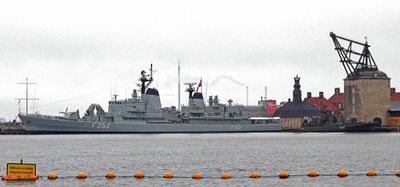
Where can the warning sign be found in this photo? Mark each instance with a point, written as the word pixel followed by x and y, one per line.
pixel 21 170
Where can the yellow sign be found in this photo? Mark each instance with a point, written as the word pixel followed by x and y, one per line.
pixel 21 170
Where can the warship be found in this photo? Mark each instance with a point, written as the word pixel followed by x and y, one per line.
pixel 144 114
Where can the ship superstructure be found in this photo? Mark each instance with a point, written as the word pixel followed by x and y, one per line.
pixel 215 112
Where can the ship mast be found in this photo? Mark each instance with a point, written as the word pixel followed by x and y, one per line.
pixel 179 85
pixel 145 79
pixel 247 95
pixel 26 95
pixel 115 91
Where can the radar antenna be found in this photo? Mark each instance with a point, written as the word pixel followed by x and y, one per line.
pixel 146 78
pixel 190 88
pixel 65 113
pixel 352 67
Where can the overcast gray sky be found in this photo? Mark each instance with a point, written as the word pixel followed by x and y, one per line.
pixel 74 50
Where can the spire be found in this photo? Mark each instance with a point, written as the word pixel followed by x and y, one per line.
pixel 296 91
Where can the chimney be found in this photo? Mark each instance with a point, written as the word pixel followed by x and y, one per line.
pixel 321 94
pixel 392 91
pixel 309 95
pixel 337 91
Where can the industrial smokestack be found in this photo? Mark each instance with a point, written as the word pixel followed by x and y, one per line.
pixel 266 91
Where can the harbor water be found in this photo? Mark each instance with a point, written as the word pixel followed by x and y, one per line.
pixel 210 154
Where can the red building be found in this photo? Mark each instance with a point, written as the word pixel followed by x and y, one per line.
pixel 394 111
pixel 337 99
pixel 334 103
pixel 394 96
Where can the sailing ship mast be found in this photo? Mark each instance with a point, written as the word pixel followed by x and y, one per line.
pixel 26 95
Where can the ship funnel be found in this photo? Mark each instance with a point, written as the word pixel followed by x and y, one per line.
pixel 216 100
pixel 134 94
pixel 210 101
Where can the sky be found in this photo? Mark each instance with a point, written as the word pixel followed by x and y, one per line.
pixel 80 52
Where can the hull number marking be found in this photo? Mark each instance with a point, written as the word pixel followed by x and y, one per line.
pixel 100 125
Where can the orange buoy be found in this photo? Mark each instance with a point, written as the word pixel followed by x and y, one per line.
pixel 283 174
pixel 139 175
pixel 52 176
pixel 255 174
pixel 81 175
pixel 371 172
pixel 398 173
pixel 197 176
pixel 32 177
pixel 312 173
pixel 226 176
pixel 168 175
pixel 110 175
pixel 342 173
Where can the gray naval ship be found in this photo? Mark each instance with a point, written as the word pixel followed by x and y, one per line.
pixel 144 114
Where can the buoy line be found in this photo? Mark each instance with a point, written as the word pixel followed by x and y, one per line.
pixel 223 175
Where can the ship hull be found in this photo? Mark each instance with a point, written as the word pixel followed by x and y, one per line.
pixel 348 127
pixel 40 125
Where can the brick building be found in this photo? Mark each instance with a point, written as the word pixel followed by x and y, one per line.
pixel 322 103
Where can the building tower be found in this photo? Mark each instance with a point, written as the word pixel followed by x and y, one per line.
pixel 292 113
pixel 366 89
pixel 296 91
